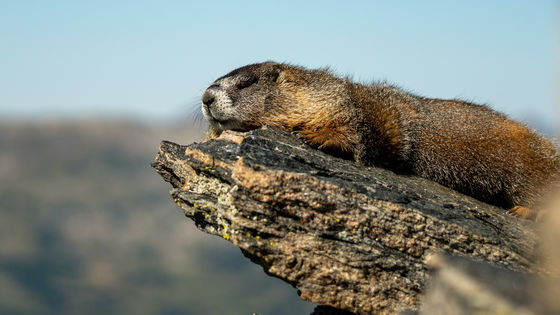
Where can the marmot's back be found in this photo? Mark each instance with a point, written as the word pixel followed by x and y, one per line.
pixel 484 154
pixel 467 147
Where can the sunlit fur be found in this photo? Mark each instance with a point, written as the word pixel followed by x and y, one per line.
pixel 465 146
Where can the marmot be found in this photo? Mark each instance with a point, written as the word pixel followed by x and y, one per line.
pixel 467 147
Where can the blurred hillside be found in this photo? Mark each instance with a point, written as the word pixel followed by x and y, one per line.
pixel 87 227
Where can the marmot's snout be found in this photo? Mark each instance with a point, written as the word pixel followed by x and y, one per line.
pixel 208 98
pixel 216 105
pixel 213 103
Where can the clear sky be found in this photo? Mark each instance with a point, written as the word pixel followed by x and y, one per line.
pixel 152 59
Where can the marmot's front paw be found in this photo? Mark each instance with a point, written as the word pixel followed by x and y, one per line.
pixel 524 212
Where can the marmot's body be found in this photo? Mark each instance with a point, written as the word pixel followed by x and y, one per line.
pixel 467 147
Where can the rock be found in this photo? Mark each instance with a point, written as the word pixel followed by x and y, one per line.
pixel 349 237
pixel 462 287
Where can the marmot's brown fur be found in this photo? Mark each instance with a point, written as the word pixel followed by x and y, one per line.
pixel 461 145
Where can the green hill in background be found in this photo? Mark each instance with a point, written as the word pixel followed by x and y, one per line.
pixel 87 227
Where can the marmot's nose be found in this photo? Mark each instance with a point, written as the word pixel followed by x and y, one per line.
pixel 208 97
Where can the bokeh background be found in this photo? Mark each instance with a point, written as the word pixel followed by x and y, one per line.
pixel 88 89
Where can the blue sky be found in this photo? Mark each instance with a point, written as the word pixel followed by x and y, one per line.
pixel 152 59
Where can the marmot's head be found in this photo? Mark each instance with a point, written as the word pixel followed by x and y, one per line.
pixel 269 93
pixel 239 99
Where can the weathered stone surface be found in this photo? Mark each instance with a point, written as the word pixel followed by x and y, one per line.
pixel 346 236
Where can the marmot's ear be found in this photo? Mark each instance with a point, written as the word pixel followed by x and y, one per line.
pixel 280 77
pixel 281 73
pixel 284 76
pixel 275 73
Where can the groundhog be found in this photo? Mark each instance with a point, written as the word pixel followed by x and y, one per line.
pixel 467 147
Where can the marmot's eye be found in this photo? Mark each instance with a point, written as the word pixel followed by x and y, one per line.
pixel 247 82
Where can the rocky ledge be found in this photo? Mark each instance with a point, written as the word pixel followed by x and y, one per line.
pixel 350 238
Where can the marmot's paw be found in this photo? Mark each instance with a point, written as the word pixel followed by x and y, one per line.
pixel 524 212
